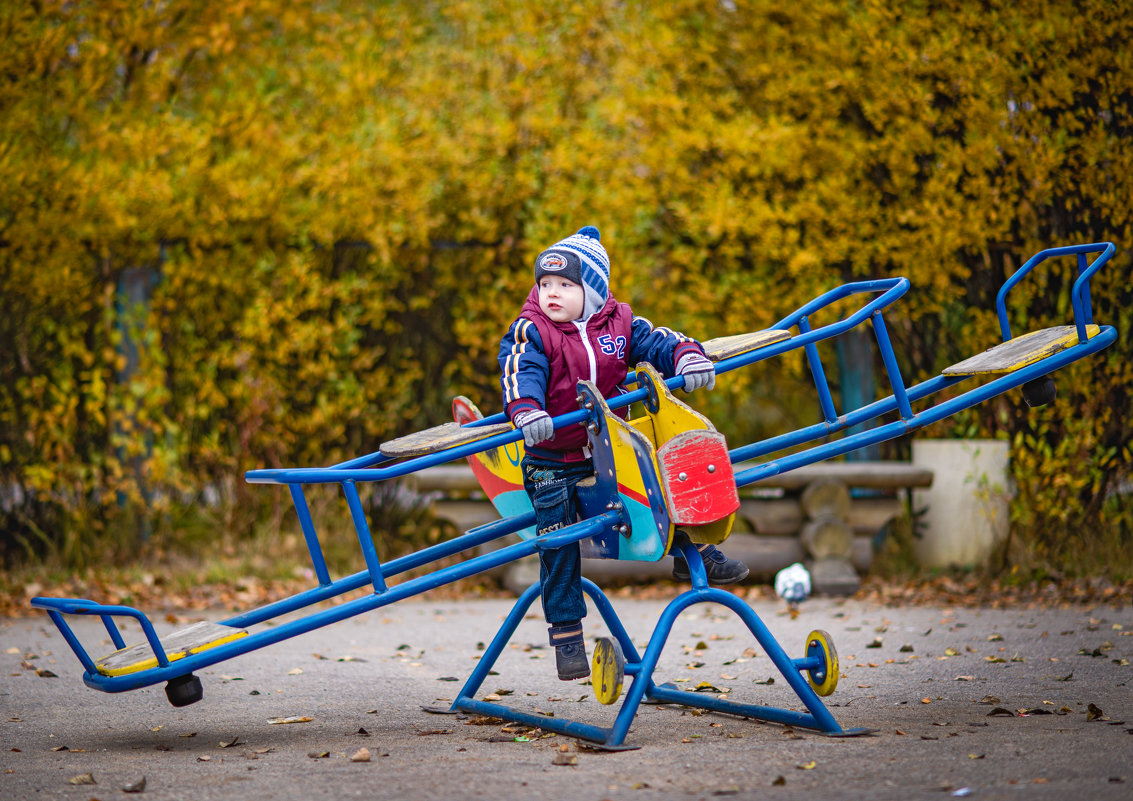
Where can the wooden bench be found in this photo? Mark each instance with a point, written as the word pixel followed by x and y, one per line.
pixel 772 514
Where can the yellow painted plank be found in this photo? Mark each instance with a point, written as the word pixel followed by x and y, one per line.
pixel 190 640
pixel 725 347
pixel 1020 351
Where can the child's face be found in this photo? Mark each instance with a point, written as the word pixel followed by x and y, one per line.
pixel 560 299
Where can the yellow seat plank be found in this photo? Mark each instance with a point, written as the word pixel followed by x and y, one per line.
pixel 189 640
pixel 437 438
pixel 1018 352
pixel 725 347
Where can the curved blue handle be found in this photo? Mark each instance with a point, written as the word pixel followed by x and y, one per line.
pixel 891 289
pixel 1079 293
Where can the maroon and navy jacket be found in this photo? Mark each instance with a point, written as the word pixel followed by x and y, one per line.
pixel 541 362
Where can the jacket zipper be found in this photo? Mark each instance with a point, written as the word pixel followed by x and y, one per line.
pixel 581 326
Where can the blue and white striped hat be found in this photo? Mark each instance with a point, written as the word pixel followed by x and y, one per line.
pixel 582 259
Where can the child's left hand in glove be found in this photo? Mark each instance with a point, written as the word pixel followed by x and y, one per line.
pixel 697 370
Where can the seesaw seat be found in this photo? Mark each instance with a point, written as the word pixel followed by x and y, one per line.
pixel 189 640
pixel 1020 351
pixel 692 462
pixel 671 468
pixel 725 347
pixel 437 438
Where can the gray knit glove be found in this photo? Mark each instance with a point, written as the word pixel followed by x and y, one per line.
pixel 697 370
pixel 536 425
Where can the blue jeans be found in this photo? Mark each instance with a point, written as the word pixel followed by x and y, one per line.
pixel 551 487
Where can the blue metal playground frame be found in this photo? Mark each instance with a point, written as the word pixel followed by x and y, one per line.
pixel 377 467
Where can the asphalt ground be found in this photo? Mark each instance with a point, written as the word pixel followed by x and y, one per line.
pixel 979 703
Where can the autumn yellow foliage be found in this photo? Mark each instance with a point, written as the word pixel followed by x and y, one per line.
pixel 264 233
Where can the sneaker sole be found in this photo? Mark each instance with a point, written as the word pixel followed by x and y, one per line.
pixel 736 580
pixel 574 676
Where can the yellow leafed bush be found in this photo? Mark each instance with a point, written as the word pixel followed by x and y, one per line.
pixel 263 233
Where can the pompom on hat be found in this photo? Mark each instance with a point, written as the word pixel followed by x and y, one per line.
pixel 582 259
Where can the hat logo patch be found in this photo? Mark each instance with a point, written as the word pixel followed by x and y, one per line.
pixel 553 262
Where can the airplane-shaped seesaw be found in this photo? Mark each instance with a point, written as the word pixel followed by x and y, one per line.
pixel 662 471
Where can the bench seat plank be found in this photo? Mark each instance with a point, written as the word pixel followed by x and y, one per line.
pixel 1020 351
pixel 189 640
pixel 438 438
pixel 724 347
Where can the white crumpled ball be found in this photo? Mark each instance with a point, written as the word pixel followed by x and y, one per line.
pixel 792 584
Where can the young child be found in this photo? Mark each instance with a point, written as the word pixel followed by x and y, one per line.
pixel 571 328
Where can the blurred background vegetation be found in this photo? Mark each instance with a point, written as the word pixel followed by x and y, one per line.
pixel 263 233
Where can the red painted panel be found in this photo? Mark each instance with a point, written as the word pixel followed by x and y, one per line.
pixel 707 492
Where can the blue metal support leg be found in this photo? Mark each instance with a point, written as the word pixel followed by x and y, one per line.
pixel 640 669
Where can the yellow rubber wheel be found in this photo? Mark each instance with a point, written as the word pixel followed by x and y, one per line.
pixel 824 678
pixel 609 670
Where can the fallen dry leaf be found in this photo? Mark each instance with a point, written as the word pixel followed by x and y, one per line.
pixel 361 755
pixel 807 765
pixel 561 758
pixel 292 719
pixel 82 778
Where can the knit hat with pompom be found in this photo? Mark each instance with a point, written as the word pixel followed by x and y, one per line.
pixel 582 259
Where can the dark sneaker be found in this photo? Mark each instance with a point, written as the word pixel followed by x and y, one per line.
pixel 720 569
pixel 571 661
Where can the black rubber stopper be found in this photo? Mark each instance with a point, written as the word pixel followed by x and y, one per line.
pixel 184 690
pixel 1039 391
